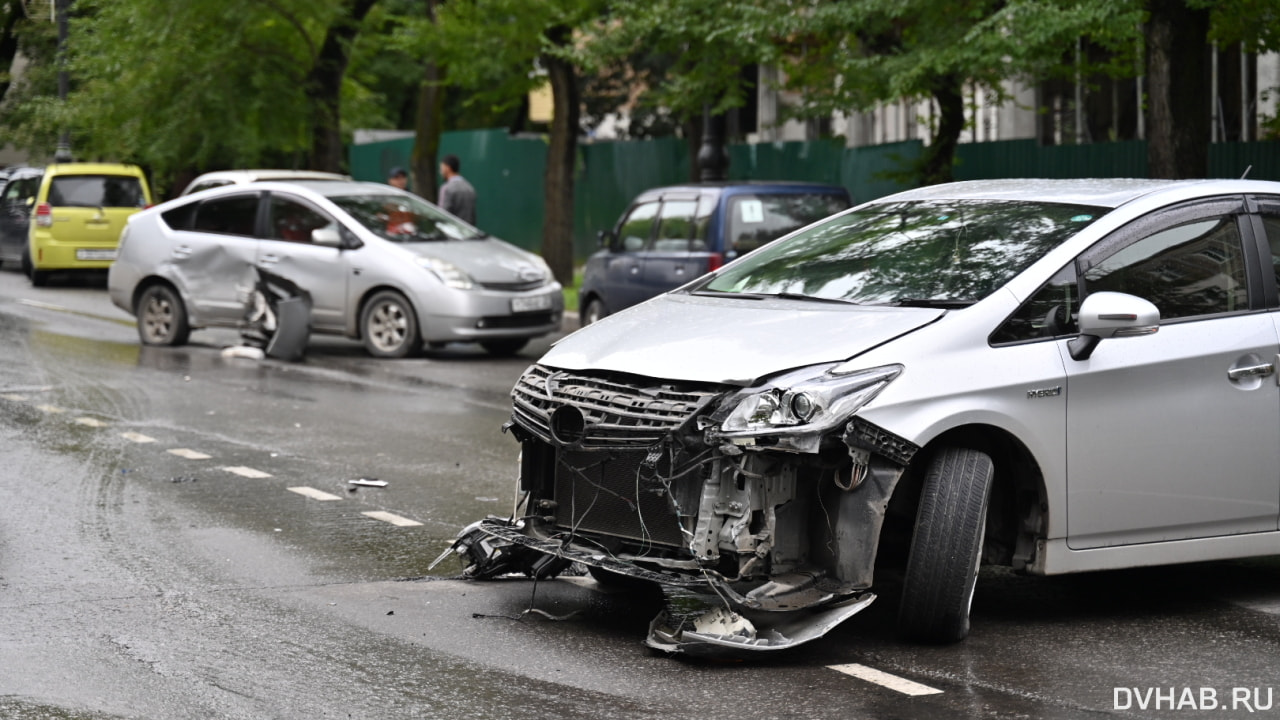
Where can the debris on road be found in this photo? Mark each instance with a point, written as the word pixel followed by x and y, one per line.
pixel 368 482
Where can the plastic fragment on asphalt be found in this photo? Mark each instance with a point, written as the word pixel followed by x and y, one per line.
pixel 368 482
pixel 247 352
pixel 137 437
pixel 247 472
pixel 313 493
pixel 14 397
pixel 90 422
pixel 189 454
pixel 391 518
pixel 51 409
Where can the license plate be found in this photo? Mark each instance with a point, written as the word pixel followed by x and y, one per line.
pixel 88 254
pixel 531 304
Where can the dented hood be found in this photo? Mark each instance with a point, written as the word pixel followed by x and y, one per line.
pixel 734 340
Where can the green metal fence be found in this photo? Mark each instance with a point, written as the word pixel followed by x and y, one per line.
pixel 507 171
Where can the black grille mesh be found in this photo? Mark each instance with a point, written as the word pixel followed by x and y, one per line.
pixel 615 494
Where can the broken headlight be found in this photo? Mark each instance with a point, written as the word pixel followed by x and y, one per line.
pixel 809 400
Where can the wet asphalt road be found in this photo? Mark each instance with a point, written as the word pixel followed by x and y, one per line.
pixel 136 582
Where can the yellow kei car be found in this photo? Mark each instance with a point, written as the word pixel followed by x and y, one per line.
pixel 79 213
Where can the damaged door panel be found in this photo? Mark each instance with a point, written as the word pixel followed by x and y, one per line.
pixel 759 546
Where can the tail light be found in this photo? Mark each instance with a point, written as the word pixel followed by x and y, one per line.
pixel 44 215
pixel 714 261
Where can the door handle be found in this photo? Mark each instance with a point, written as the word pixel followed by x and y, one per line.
pixel 1251 371
pixel 182 251
pixel 270 259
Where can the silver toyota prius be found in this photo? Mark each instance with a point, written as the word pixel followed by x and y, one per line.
pixel 1052 376
pixel 377 264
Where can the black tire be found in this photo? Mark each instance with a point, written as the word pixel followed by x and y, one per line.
pixel 389 326
pixel 592 312
pixel 162 317
pixel 504 348
pixel 946 547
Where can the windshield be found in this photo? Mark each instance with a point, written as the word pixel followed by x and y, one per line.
pixel 949 253
pixel 405 218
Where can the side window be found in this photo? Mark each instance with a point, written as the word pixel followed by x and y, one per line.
pixel 675 226
pixel 292 221
pixel 1271 223
pixel 1050 313
pixel 234 215
pixel 635 230
pixel 1188 270
pixel 181 217
pixel 702 223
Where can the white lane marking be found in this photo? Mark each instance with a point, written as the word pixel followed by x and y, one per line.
pixel 91 422
pixel 137 437
pixel 313 493
pixel 391 518
pixel 189 454
pixel 884 679
pixel 14 397
pixel 52 409
pixel 247 472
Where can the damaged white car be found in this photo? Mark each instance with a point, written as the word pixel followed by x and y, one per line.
pixel 1055 376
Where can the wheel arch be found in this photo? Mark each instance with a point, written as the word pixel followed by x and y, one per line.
pixel 1018 502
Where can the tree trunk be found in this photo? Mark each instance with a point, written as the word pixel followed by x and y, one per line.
pixel 324 85
pixel 1177 88
pixel 9 41
pixel 428 124
pixel 557 224
pixel 937 163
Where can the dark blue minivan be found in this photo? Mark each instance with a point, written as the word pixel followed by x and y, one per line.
pixel 671 235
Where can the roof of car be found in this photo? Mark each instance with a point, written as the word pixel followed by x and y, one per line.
pixel 722 186
pixel 1098 192
pixel 90 168
pixel 239 177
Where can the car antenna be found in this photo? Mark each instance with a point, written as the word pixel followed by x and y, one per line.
pixel 1246 172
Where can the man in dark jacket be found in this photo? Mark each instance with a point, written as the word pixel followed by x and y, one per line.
pixel 456 194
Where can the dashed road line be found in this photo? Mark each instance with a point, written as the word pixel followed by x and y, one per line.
pixel 247 472
pixel 189 454
pixel 90 422
pixel 313 493
pixel 137 437
pixel 51 409
pixel 391 518
pixel 884 679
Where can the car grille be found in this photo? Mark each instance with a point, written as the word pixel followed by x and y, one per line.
pixel 614 494
pixel 616 410
pixel 521 286
pixel 516 321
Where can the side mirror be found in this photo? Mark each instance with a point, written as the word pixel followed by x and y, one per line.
pixel 604 238
pixel 1112 315
pixel 326 237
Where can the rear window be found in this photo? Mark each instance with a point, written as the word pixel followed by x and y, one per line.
pixel 96 191
pixel 757 219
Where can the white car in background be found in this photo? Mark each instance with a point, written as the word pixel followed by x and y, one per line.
pixel 239 177
pixel 377 263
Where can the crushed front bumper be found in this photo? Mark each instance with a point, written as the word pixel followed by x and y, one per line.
pixel 705 614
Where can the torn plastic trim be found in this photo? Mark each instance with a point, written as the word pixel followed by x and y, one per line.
pixel 719 632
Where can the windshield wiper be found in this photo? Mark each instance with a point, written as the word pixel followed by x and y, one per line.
pixel 727 294
pixel 812 298
pixel 952 304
